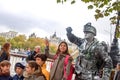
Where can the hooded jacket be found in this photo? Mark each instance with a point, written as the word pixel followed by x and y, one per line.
pixel 33 76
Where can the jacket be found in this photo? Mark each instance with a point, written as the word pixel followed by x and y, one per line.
pixel 112 74
pixel 117 76
pixel 16 77
pixel 4 56
pixel 57 69
pixel 93 57
pixel 5 76
pixel 45 72
pixel 31 56
pixel 33 76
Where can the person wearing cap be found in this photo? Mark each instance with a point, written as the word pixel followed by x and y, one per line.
pixel 93 56
pixel 19 69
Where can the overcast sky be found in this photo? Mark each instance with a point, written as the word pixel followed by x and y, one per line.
pixel 44 17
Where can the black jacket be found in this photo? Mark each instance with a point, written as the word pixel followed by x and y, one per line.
pixel 4 56
pixel 31 56
pixel 16 77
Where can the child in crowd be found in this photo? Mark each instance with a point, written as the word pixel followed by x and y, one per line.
pixel 33 71
pixel 5 70
pixel 19 68
pixel 40 60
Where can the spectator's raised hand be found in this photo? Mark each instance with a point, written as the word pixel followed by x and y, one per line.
pixel 46 42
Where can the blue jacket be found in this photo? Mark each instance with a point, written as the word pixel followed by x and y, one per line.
pixel 16 77
pixel 6 78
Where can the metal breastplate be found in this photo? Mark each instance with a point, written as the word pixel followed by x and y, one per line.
pixel 87 59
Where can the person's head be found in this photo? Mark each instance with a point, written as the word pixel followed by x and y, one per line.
pixel 6 46
pixel 5 66
pixel 40 59
pixel 89 30
pixel 118 66
pixel 37 49
pixel 62 48
pixel 28 49
pixel 19 68
pixel 31 67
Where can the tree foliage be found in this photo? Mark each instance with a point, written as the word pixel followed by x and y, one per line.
pixel 103 8
pixel 2 40
pixel 20 42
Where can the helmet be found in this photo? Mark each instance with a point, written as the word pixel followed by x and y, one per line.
pixel 89 28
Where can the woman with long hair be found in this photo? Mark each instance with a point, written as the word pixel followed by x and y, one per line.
pixel 33 72
pixel 57 70
pixel 5 52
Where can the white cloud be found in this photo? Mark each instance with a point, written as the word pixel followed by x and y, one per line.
pixel 4 28
pixel 76 16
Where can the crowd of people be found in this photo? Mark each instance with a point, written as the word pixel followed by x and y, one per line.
pixel 92 63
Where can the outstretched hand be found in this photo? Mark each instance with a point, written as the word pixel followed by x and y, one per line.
pixel 46 42
pixel 69 29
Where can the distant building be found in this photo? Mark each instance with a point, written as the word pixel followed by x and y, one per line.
pixel 10 34
pixel 54 39
pixel 33 35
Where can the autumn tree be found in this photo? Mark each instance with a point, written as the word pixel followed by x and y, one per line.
pixel 18 41
pixel 2 40
pixel 103 8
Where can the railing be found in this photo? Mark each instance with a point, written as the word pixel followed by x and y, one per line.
pixel 14 58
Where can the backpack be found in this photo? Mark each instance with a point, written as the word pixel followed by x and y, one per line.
pixel 69 77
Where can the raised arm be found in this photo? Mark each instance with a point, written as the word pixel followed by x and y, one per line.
pixel 47 50
pixel 72 38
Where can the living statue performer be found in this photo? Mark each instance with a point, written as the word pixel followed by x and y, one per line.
pixel 93 57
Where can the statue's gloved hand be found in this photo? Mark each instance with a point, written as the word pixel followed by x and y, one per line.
pixel 69 29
